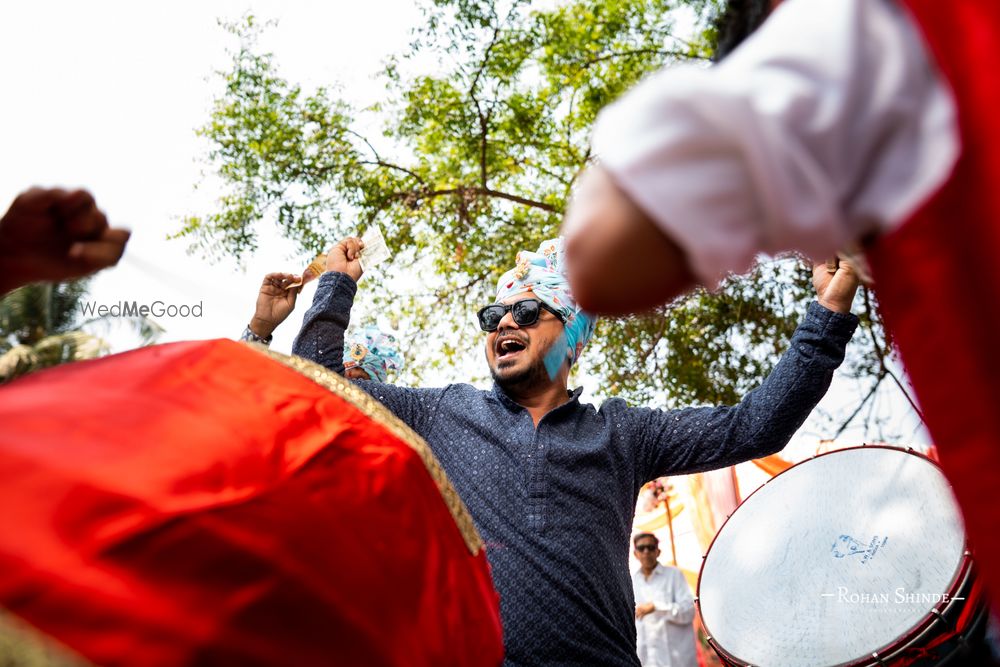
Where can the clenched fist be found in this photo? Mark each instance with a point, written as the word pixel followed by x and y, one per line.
pixel 55 235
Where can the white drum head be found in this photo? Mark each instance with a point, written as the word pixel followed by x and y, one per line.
pixel 832 560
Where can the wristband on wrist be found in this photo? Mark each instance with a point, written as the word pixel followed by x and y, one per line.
pixel 250 336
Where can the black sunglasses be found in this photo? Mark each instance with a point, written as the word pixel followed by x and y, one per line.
pixel 646 547
pixel 525 312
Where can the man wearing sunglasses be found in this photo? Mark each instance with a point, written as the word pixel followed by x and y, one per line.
pixel 551 482
pixel 664 609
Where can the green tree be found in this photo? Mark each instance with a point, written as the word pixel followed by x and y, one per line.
pixel 41 326
pixel 476 162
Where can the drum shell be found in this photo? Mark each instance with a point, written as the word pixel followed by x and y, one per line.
pixel 932 629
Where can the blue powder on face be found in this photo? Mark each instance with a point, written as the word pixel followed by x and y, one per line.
pixel 556 355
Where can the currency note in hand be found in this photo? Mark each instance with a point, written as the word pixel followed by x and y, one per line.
pixel 375 251
pixel 313 271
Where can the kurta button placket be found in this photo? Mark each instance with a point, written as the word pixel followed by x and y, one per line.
pixel 536 479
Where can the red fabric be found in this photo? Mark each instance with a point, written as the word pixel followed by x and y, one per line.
pixel 201 504
pixel 972 606
pixel 938 277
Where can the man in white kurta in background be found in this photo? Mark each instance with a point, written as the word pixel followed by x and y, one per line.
pixel 664 609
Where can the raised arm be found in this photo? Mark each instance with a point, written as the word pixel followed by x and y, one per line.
pixel 697 439
pixel 275 302
pixel 321 339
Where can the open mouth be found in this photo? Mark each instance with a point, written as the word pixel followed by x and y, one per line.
pixel 508 347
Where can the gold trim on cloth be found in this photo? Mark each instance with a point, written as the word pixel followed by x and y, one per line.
pixel 23 645
pixel 381 415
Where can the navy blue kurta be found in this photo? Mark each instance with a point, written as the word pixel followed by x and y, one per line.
pixel 554 504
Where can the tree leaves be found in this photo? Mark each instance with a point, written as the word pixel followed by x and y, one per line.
pixel 476 162
pixel 41 326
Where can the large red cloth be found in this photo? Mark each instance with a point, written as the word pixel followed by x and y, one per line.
pixel 938 277
pixel 205 504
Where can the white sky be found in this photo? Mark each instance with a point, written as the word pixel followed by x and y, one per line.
pixel 106 95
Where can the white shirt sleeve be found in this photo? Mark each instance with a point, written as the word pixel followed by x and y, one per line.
pixel 681 609
pixel 826 125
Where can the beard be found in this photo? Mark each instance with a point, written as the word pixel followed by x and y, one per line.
pixel 532 375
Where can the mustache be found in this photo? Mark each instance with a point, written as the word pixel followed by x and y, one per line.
pixel 511 335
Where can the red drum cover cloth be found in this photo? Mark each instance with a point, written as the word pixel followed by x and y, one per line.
pixel 202 503
pixel 938 283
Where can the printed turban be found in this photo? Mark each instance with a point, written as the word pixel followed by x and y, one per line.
pixel 372 351
pixel 543 274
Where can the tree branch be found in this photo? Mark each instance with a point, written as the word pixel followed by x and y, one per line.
pixel 462 289
pixel 389 165
pixel 640 52
pixel 881 356
pixel 367 143
pixel 519 200
pixel 483 128
pixel 664 322
pixel 483 118
pixel 417 195
pixel 583 165
pixel 861 405
pixel 378 161
pixel 532 164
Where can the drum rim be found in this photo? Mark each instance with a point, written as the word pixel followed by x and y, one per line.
pixel 965 570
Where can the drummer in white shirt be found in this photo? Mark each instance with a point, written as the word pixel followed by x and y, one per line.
pixel 855 121
pixel 664 609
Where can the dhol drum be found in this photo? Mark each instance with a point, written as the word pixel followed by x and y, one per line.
pixel 855 557
pixel 209 503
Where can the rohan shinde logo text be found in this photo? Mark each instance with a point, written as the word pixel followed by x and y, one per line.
pixel 897 596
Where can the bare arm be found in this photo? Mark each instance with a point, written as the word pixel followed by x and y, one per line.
pixel 619 261
pixel 828 125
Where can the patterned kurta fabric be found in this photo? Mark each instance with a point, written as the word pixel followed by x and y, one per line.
pixel 554 504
